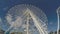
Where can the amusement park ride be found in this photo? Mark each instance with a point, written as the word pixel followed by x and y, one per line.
pixel 28 19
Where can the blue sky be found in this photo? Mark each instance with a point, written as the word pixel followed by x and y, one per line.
pixel 48 6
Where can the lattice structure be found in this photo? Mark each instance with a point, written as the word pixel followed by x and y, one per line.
pixel 27 19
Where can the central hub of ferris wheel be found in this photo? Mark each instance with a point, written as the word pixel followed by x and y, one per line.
pixel 27 19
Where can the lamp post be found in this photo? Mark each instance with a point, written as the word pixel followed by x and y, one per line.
pixel 58 11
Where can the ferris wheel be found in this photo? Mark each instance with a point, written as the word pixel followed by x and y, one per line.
pixel 27 19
